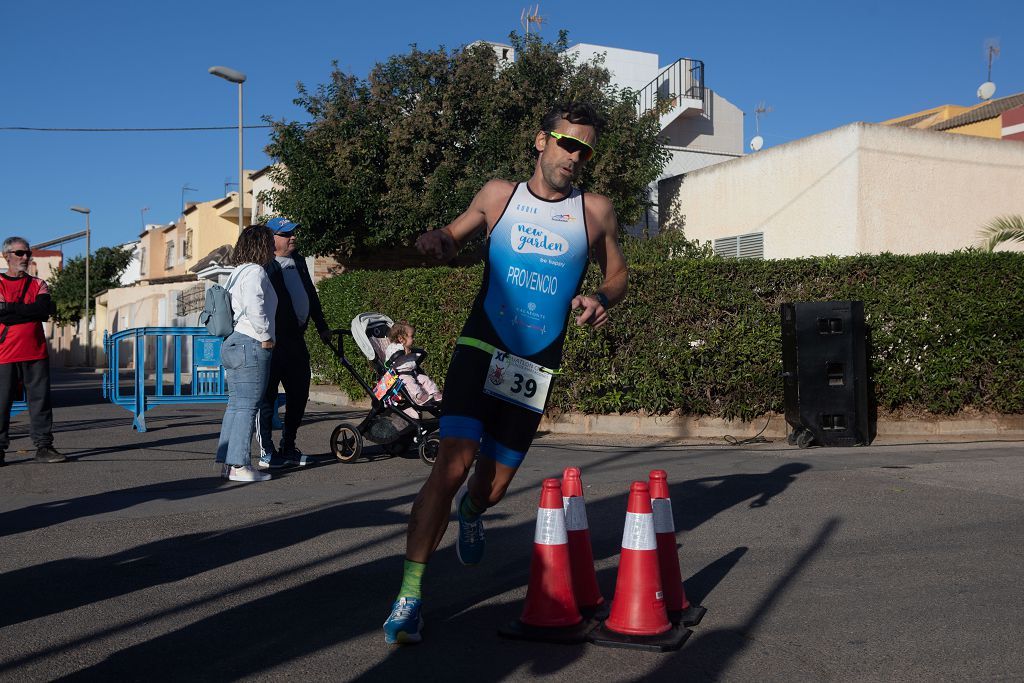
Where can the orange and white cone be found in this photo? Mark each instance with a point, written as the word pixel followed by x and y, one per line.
pixel 638 618
pixel 679 608
pixel 550 613
pixel 581 555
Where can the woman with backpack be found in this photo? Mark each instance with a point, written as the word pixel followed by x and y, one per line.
pixel 246 352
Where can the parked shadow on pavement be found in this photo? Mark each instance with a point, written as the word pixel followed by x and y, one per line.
pixel 60 585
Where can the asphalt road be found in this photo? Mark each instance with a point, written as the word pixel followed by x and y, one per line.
pixel 135 561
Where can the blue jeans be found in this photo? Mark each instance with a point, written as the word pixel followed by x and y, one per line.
pixel 247 365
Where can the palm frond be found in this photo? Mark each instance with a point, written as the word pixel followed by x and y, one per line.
pixel 1002 229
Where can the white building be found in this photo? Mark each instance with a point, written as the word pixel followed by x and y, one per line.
pixel 700 127
pixel 859 189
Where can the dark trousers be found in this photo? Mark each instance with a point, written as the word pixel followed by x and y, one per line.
pixel 289 366
pixel 35 374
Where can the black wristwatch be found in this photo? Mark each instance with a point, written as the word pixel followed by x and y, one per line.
pixel 603 300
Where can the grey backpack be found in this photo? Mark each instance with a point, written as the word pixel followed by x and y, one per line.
pixel 217 315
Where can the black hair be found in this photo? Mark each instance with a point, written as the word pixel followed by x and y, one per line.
pixel 580 113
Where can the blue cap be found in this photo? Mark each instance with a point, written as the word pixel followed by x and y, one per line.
pixel 281 225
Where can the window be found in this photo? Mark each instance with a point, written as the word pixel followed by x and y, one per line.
pixel 169 260
pixel 742 246
pixel 142 261
pixel 186 246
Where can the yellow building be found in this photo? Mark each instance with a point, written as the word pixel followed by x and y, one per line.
pixel 169 251
pixel 984 119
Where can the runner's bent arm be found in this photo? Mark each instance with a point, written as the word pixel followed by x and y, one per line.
pixel 445 243
pixel 601 219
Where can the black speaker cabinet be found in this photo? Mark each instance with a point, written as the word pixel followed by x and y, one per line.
pixel 824 363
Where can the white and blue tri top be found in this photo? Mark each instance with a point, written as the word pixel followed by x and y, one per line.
pixel 535 261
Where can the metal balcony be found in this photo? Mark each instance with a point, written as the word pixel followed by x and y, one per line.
pixel 681 84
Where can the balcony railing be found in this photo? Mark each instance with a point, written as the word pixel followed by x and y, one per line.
pixel 684 78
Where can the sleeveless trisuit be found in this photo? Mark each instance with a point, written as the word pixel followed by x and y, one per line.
pixel 535 260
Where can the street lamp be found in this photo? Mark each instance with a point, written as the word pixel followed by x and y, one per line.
pixel 239 78
pixel 88 247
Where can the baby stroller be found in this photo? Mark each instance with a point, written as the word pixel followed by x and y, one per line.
pixel 387 423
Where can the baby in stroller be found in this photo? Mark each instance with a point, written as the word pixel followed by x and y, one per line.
pixel 405 359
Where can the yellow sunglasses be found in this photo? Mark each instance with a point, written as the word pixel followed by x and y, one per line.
pixel 573 145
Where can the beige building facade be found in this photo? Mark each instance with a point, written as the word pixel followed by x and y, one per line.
pixel 861 188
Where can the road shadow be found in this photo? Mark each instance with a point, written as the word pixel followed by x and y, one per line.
pixel 464 609
pixel 707 656
pixel 60 585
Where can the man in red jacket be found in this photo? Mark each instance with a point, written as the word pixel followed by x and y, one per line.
pixel 24 306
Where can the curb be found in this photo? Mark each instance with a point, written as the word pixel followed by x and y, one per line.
pixel 998 427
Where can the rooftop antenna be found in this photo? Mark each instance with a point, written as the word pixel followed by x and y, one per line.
pixel 757 142
pixel 186 188
pixel 531 15
pixel 987 89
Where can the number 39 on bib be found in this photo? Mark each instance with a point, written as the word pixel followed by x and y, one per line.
pixel 517 381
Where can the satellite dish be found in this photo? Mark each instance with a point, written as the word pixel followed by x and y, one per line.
pixel 756 143
pixel 986 90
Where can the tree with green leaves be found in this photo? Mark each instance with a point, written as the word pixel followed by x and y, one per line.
pixel 387 157
pixel 67 285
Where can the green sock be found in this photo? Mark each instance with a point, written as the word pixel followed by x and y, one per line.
pixel 412 580
pixel 468 509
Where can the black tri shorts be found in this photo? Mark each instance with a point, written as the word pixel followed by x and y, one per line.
pixel 504 430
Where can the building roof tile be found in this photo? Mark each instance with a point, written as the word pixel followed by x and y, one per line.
pixel 982 113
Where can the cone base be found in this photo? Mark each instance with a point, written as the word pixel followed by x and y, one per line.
pixel 570 635
pixel 669 641
pixel 596 612
pixel 690 616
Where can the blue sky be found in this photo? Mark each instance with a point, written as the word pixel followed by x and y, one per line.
pixel 102 64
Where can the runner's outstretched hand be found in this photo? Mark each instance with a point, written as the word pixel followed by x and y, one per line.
pixel 593 313
pixel 437 244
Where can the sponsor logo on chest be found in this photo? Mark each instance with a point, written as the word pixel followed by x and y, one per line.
pixel 527 238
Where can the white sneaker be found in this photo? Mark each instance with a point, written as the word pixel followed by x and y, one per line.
pixel 247 473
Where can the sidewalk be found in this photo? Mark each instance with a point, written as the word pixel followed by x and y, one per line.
pixel 685 428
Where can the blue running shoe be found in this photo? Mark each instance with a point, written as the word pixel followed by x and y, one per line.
pixel 471 543
pixel 404 624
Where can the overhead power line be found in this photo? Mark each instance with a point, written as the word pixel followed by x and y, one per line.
pixel 124 130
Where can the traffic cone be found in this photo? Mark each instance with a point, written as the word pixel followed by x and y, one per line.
pixel 679 608
pixel 581 556
pixel 638 618
pixel 550 613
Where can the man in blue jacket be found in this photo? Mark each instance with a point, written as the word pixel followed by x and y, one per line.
pixel 297 304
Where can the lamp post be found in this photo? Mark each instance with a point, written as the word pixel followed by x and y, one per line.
pixel 88 250
pixel 239 78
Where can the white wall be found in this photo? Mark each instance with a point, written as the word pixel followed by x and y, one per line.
pixel 262 184
pixel 133 273
pixel 629 68
pixel 861 188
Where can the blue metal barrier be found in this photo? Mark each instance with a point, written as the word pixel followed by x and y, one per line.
pixel 19 407
pixel 206 378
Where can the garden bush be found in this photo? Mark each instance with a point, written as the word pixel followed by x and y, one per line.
pixel 702 336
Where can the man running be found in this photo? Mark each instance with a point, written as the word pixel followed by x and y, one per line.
pixel 540 235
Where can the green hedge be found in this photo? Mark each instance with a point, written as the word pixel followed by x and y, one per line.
pixel 702 336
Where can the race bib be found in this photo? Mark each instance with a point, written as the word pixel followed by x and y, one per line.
pixel 517 381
